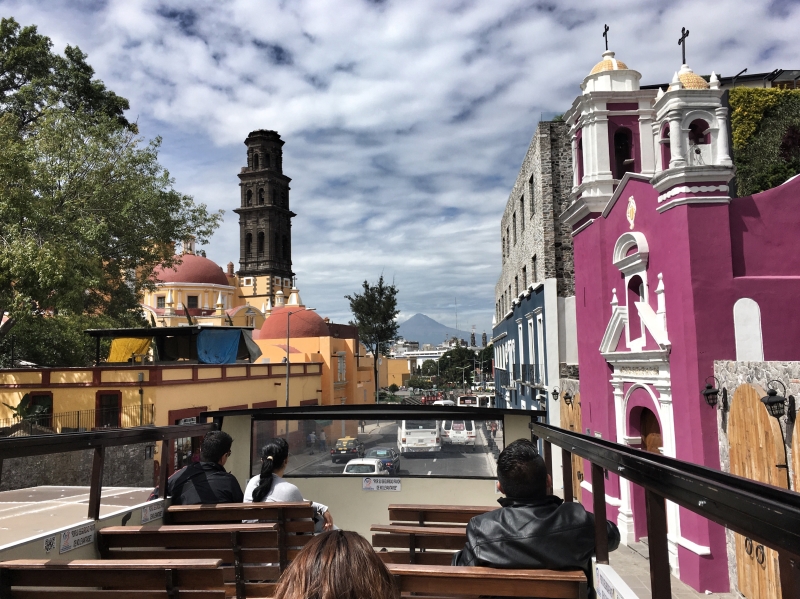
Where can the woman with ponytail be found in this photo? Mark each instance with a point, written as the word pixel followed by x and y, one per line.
pixel 270 486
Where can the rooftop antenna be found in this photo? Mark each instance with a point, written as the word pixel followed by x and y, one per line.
pixel 682 43
pixel 605 35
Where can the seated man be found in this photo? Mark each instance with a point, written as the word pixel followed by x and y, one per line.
pixel 207 481
pixel 533 529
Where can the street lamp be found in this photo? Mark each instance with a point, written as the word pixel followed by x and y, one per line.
pixel 777 406
pixel 463 377
pixel 288 363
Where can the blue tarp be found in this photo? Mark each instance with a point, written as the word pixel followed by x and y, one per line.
pixel 218 346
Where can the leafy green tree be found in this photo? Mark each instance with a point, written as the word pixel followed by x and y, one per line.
pixel 394 388
pixel 417 382
pixel 428 368
pixel 34 78
pixel 453 362
pixel 24 409
pixel 375 312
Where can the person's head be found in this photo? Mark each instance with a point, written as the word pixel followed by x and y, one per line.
pixel 521 471
pixel 273 458
pixel 337 564
pixel 216 447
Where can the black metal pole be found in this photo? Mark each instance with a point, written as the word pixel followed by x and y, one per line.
pixel 599 502
pixel 566 469
pixel 660 581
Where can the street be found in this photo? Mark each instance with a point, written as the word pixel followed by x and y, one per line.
pixel 451 461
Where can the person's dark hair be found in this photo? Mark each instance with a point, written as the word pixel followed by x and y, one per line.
pixel 273 455
pixel 521 471
pixel 337 564
pixel 215 445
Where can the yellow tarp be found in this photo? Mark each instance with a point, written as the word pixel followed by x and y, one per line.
pixel 123 348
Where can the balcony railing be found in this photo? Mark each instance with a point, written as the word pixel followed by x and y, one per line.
pixel 79 421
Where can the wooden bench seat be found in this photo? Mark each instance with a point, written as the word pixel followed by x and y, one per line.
pixel 471 581
pixel 117 579
pixel 294 521
pixel 435 515
pixel 431 545
pixel 245 548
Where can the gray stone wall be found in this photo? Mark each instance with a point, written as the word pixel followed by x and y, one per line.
pixel 730 375
pixel 125 466
pixel 538 230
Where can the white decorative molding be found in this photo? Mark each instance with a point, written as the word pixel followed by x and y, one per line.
pixel 499 337
pixel 615 328
pixel 633 263
pixel 614 501
pixel 690 189
pixel 694 200
pixel 690 545
pixel 652 323
pixel 643 371
pixel 631 440
pixel 582 227
pixel 747 330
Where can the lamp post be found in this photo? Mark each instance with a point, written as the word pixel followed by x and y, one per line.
pixel 463 370
pixel 288 363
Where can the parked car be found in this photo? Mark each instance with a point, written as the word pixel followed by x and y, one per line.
pixel 365 467
pixel 346 449
pixel 388 456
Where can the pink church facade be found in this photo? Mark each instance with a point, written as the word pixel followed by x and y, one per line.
pixel 670 275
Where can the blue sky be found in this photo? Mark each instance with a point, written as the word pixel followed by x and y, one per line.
pixel 405 122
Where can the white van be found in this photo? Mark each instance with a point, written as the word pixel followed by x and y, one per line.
pixel 459 432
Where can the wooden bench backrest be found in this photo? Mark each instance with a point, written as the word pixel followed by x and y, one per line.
pixel 151 579
pixel 429 545
pixel 293 520
pixel 474 581
pixel 435 515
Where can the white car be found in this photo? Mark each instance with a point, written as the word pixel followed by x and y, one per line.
pixel 365 467
pixel 444 402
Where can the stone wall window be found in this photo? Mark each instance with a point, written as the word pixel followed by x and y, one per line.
pixel 516 286
pixel 255 162
pixel 522 212
pixel 514 226
pixel 273 196
pixel 191 302
pixel 508 241
pixel 266 160
pixel 534 272
pixel 623 152
pixel 666 152
pixel 161 301
pixel 261 243
pixel 261 197
pixel 503 249
pixel 248 244
pixel 248 198
pixel 524 277
pixel 531 196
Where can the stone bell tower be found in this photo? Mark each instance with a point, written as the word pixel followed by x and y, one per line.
pixel 265 220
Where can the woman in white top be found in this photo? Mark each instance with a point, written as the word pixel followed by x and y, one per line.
pixel 269 486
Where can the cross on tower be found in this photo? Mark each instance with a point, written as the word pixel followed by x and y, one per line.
pixel 682 43
pixel 605 35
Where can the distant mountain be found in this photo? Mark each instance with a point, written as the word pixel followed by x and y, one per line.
pixel 426 330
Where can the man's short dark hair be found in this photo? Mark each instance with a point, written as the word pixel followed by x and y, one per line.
pixel 215 445
pixel 521 471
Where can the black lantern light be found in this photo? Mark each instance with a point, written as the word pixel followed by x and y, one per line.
pixel 711 394
pixel 555 393
pixel 779 405
pixel 568 398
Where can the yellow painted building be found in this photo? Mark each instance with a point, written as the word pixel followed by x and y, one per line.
pixel 393 371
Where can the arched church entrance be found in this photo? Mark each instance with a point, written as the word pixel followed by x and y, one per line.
pixel 644 423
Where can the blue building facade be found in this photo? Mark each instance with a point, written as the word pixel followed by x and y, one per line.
pixel 520 353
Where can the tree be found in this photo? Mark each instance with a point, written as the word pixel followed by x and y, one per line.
pixel 33 78
pixel 428 368
pixel 375 312
pixel 394 388
pixel 24 409
pixel 87 213
pixel 453 362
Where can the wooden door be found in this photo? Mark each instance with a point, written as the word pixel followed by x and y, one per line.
pixel 651 432
pixel 755 449
pixel 571 420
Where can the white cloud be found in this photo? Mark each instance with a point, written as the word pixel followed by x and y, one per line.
pixel 404 122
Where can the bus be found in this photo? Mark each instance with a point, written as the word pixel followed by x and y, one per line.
pixel 418 436
pixel 467 400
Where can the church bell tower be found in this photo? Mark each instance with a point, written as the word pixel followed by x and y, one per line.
pixel 265 220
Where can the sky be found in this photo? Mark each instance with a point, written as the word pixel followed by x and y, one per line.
pixel 405 122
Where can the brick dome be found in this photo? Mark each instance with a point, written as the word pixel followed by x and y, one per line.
pixel 303 323
pixel 192 269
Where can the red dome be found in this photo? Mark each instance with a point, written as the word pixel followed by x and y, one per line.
pixel 303 323
pixel 192 269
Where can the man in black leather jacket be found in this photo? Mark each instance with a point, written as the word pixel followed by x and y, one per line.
pixel 207 481
pixel 532 529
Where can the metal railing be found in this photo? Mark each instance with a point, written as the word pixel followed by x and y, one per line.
pixel 764 513
pixel 79 421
